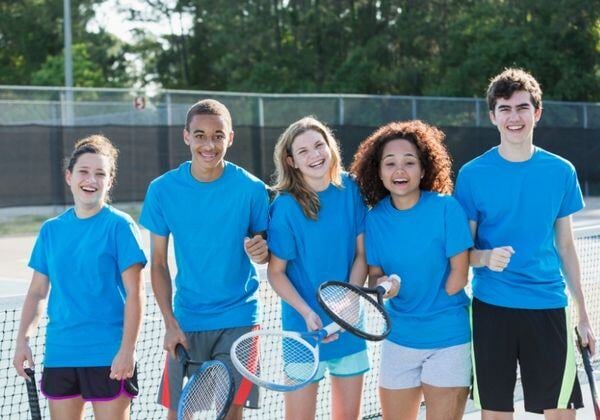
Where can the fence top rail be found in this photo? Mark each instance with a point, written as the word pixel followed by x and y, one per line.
pixel 159 92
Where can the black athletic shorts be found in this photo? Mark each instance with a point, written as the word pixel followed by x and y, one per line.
pixel 89 383
pixel 541 341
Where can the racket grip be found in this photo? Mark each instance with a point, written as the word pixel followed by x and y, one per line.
pixel 387 285
pixel 331 329
pixel 182 354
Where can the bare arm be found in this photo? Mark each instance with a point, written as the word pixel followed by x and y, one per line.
pixel 358 272
pixel 377 276
pixel 30 315
pixel 495 259
pixel 124 362
pixel 565 245
pixel 163 292
pixel 285 289
pixel 459 273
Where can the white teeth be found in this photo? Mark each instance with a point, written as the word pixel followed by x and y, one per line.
pixel 88 189
pixel 314 165
pixel 515 127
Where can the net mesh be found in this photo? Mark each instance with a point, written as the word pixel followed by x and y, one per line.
pixel 150 356
pixel 207 393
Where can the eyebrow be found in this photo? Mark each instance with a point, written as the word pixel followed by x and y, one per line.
pixel 405 155
pixel 521 105
pixel 199 130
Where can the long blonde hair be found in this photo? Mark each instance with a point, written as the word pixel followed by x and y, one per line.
pixel 289 179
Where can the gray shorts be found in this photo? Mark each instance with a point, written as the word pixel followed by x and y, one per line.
pixel 405 367
pixel 207 345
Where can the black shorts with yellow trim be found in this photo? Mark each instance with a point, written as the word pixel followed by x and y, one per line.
pixel 540 341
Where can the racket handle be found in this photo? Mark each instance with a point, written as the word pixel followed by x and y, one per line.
pixel 387 285
pixel 182 354
pixel 330 329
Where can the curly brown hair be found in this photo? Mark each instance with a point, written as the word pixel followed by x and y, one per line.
pixel 433 156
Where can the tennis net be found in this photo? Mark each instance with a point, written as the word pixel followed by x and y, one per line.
pixel 150 356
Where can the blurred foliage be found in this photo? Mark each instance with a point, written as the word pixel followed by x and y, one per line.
pixel 396 47
pixel 31 46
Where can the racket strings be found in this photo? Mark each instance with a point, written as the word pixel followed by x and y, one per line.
pixel 209 392
pixel 278 360
pixel 354 309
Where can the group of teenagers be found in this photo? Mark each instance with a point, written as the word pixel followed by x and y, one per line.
pixel 395 212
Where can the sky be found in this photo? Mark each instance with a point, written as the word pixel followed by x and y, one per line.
pixel 112 20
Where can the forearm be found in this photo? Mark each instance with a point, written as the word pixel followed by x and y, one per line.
pixel 163 292
pixel 459 272
pixel 30 315
pixel 358 273
pixel 477 257
pixel 572 271
pixel 286 290
pixel 134 306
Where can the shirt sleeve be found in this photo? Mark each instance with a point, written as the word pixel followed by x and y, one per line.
pixel 259 217
pixel 152 216
pixel 464 194
pixel 129 245
pixel 573 198
pixel 280 236
pixel 458 233
pixel 39 259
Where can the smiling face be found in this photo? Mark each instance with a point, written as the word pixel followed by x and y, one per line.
pixel 311 155
pixel 400 171
pixel 90 180
pixel 209 137
pixel 515 118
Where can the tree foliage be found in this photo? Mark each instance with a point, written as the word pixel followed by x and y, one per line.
pixel 399 47
pixel 405 47
pixel 31 45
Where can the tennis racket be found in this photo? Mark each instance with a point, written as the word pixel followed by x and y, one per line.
pixel 208 392
pixel 32 395
pixel 589 371
pixel 354 308
pixel 279 360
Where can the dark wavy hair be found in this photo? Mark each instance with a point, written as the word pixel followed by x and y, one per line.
pixel 510 81
pixel 433 155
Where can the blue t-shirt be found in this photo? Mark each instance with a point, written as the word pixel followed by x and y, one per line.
pixel 216 282
pixel 517 204
pixel 317 251
pixel 83 260
pixel 417 244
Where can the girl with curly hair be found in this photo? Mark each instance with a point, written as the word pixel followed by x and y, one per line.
pixel 317 202
pixel 415 229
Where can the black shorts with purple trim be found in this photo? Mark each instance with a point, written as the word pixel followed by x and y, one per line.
pixel 89 383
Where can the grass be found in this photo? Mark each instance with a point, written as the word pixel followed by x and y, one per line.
pixel 21 225
pixel 29 224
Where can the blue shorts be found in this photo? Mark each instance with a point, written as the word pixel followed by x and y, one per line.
pixel 351 365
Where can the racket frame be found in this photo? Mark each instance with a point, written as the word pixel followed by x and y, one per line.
pixel 365 293
pixel 184 358
pixel 301 338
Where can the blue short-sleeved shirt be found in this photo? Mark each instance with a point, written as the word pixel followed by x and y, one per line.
pixel 317 251
pixel 417 244
pixel 517 204
pixel 216 282
pixel 83 260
